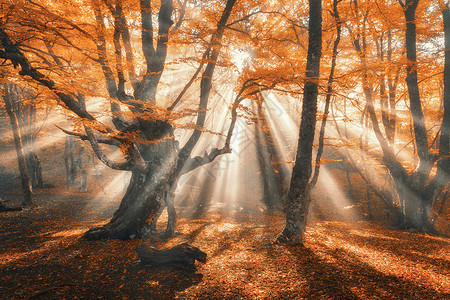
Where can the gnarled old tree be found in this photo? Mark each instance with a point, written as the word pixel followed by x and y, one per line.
pixel 151 152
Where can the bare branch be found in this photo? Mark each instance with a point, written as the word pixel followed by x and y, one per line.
pixel 188 85
pixel 198 161
pixel 193 163
pixel 180 18
pixel 234 115
pixel 238 30
pixel 84 137
pixel 206 82
pixel 245 18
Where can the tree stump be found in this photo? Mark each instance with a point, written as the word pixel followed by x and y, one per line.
pixel 183 255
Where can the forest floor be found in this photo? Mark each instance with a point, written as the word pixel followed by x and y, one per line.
pixel 42 256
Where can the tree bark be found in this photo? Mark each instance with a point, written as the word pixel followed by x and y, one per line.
pixel 155 58
pixel 298 200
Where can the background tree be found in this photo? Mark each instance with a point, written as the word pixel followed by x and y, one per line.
pixel 26 109
pixel 9 93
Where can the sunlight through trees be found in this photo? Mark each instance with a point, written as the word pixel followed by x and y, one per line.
pixel 314 110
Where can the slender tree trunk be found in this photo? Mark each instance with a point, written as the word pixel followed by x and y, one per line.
pixel 335 14
pixel 385 103
pixel 298 200
pixel 392 86
pixel 28 129
pixel 26 181
pixel 70 160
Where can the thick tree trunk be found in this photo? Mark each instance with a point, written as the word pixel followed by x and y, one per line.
pixel 145 194
pixel 167 201
pixel 26 181
pixel 298 200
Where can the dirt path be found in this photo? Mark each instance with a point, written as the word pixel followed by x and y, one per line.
pixel 42 256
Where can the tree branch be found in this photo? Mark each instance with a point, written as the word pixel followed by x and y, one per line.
pixel 193 163
pixel 198 161
pixel 84 137
pixel 15 55
pixel 206 82
pixel 188 85
pixel 124 166
pixel 180 18
pixel 58 17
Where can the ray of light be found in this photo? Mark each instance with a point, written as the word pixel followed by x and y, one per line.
pixel 334 193
pixel 283 128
